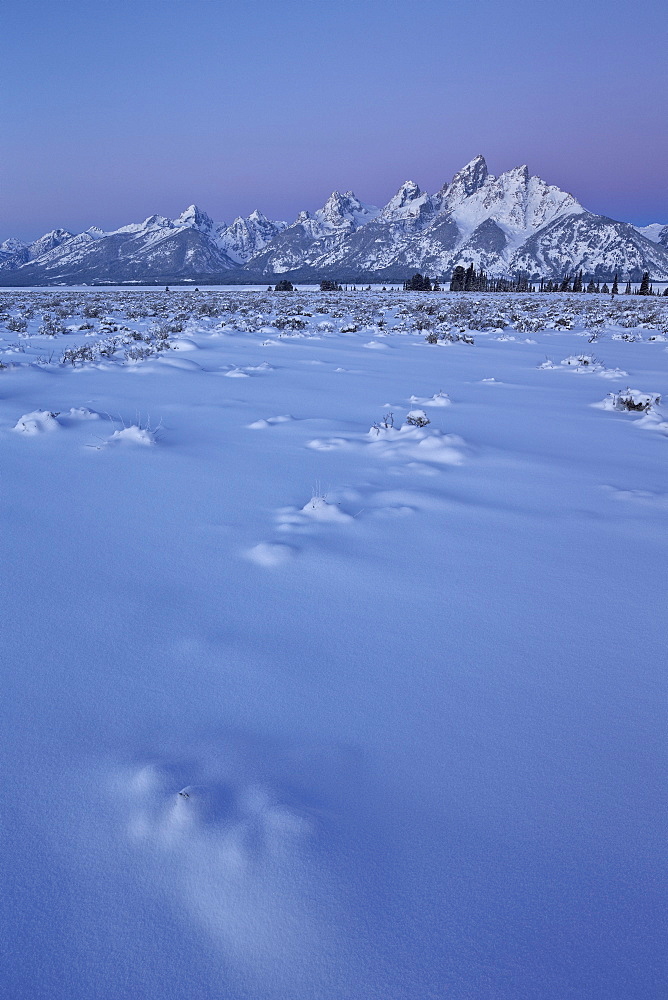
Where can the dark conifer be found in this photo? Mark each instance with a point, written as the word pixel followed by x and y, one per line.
pixel 457 280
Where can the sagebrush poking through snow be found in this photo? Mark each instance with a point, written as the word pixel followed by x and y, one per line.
pixel 634 401
pixel 133 435
pixel 37 422
pixel 417 418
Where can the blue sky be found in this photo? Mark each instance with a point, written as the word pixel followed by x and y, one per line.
pixel 113 111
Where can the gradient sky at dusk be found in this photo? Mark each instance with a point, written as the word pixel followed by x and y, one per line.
pixel 111 111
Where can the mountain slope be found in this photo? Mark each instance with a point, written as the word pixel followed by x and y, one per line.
pixel 594 244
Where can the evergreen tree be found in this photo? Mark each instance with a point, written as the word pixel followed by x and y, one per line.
pixel 469 279
pixel 284 286
pixel 605 290
pixel 615 286
pixel 644 284
pixel 457 279
pixel 565 285
pixel 627 290
pixel 577 282
pixel 418 283
pixel 591 287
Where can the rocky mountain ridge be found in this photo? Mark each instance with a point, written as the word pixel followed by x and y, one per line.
pixel 506 224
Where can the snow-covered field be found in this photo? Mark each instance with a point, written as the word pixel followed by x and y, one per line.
pixel 334 646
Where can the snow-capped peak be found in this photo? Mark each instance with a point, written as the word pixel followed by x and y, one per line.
pixel 194 218
pixel 12 245
pixel 406 205
pixel 150 224
pixel 246 237
pixel 657 232
pixel 516 201
pixel 467 181
pixel 344 212
pixel 49 241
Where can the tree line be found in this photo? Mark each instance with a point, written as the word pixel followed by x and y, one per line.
pixel 467 279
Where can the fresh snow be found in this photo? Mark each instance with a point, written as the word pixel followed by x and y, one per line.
pixel 325 683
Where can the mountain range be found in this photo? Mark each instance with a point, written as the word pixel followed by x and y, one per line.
pixel 507 224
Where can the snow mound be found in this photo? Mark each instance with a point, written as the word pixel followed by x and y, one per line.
pixel 81 413
pixel 319 510
pixel 653 421
pixel 410 442
pixel 37 422
pixel 133 435
pixel 401 444
pixel 270 554
pixel 328 444
pixel 629 401
pixel 438 399
pixel 263 423
pixel 184 344
pixel 185 364
pixel 582 363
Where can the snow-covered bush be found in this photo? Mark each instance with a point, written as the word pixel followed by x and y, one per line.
pixel 417 418
pixel 634 401
pixel 17 324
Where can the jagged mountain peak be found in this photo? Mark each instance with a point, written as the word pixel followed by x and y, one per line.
pixel 49 240
pixel 157 222
pixel 194 218
pixel 407 205
pixel 344 212
pixel 469 179
pixel 520 173
pixel 246 237
pixel 149 224
pixel 12 245
pixel 408 192
pixel 515 200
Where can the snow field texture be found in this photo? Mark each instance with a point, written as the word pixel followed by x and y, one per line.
pixel 323 681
